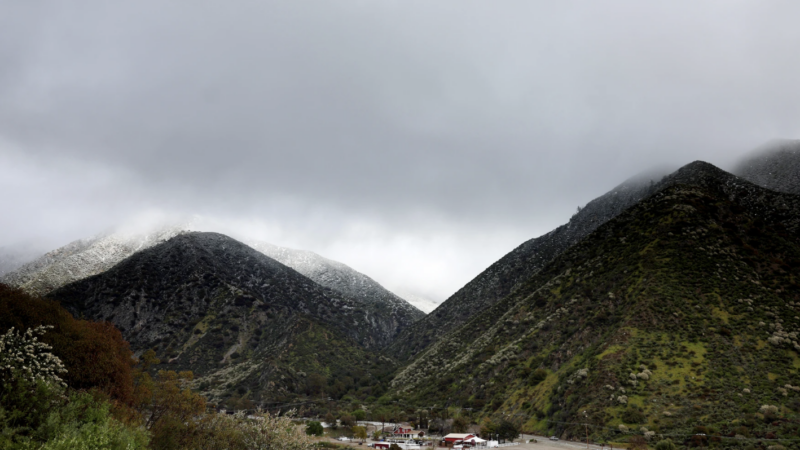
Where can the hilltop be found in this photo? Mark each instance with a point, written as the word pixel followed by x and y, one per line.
pixel 244 323
pixel 682 311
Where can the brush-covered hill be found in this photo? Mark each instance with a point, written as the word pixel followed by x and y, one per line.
pixel 775 166
pixel 241 321
pixel 342 278
pixel 502 277
pixel 683 311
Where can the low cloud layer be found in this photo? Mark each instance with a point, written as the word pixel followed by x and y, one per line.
pixel 415 141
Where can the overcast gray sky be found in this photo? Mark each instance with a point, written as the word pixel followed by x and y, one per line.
pixel 416 141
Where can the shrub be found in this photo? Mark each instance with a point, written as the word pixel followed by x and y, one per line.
pixel 633 415
pixel 537 377
pixel 94 354
pixel 314 429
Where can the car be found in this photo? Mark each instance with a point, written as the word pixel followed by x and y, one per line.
pixel 343 438
pixel 553 438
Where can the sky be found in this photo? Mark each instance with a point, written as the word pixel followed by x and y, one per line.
pixel 415 141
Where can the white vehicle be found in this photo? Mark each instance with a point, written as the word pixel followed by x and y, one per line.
pixel 553 438
pixel 343 439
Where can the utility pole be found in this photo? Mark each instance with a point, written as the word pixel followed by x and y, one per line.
pixel 586 426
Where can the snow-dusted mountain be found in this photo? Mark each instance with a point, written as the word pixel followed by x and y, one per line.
pixel 775 166
pixel 13 257
pixel 83 258
pixel 339 277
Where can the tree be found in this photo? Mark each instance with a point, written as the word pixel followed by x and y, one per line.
pixel 94 354
pixel 507 430
pixel 360 433
pixel 460 424
pixel 359 414
pixel 348 420
pixel 314 429
pixel 330 419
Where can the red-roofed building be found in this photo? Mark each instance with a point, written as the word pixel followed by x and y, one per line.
pixel 457 438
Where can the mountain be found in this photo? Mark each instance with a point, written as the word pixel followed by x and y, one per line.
pixel 84 258
pixel 235 317
pixel 679 316
pixel 775 166
pixel 341 278
pixel 81 259
pixel 13 257
pixel 502 277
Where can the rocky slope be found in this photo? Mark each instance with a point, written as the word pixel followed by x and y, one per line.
pixel 774 166
pixel 683 311
pixel 237 318
pixel 341 278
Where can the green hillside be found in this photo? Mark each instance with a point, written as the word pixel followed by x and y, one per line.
pixel 680 315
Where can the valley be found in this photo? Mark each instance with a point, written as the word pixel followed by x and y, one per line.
pixel 665 307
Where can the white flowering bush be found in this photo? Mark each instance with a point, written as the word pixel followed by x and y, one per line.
pixel 259 431
pixel 24 356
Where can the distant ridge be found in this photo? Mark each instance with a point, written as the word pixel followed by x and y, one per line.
pixel 342 278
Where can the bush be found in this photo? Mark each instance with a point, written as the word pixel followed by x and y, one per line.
pixel 633 415
pixel 94 354
pixel 314 429
pixel 537 377
pixel 665 444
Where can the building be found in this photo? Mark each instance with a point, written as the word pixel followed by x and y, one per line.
pixel 457 438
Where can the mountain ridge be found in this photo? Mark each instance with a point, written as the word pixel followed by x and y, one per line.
pixel 235 317
pixel 649 321
pixel 505 275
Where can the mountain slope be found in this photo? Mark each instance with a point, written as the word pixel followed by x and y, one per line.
pixel 213 305
pixel 682 311
pixel 13 257
pixel 505 275
pixel 84 258
pixel 341 278
pixel 502 277
pixel 81 259
pixel 774 166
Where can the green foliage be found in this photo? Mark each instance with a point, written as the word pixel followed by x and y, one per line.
pixel 537 377
pixel 633 414
pixel 504 429
pixel 41 415
pixel 360 414
pixel 359 432
pixel 314 429
pixel 665 444
pixel 460 424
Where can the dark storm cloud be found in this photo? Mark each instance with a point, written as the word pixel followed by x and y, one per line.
pixel 422 119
